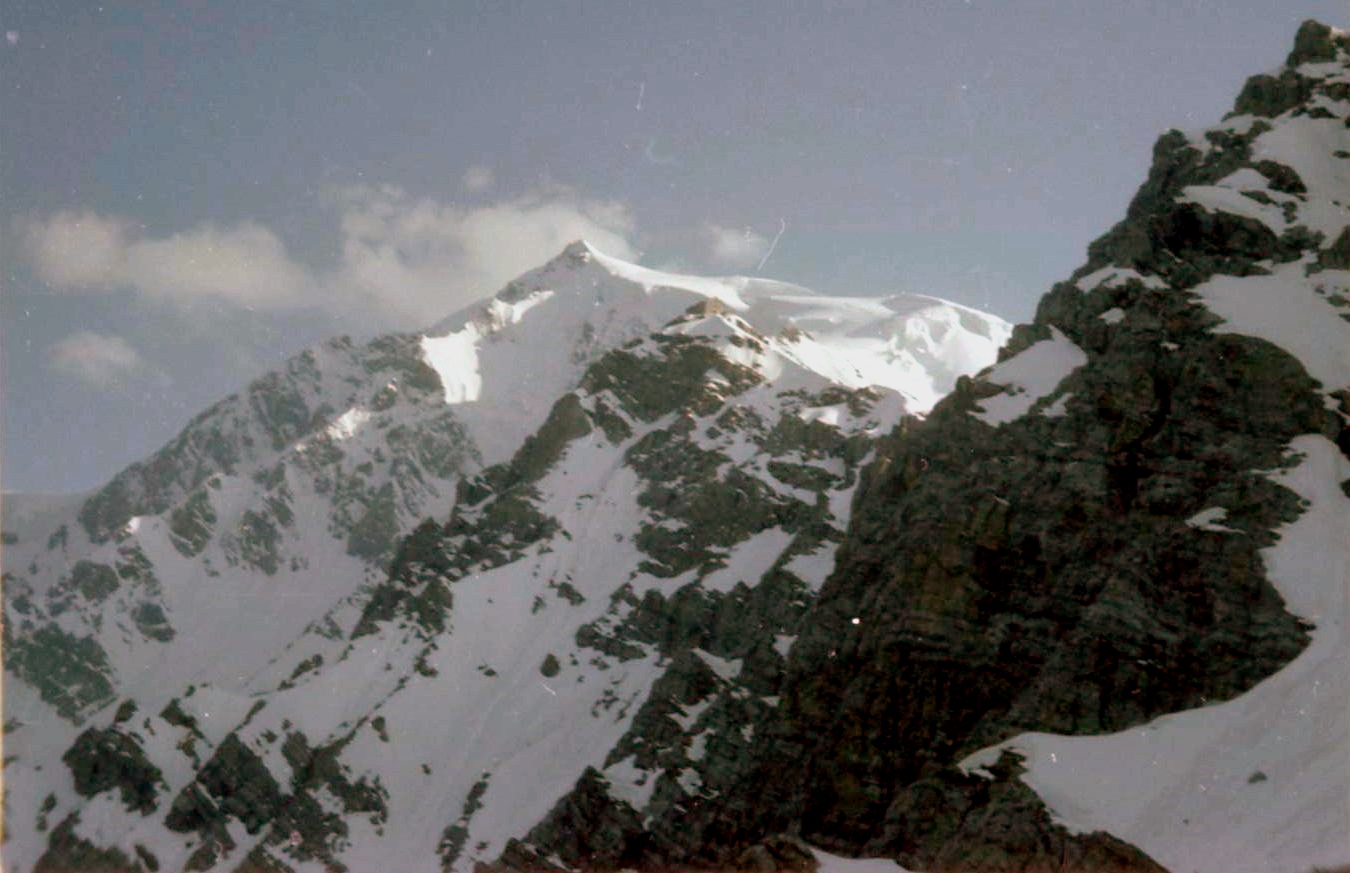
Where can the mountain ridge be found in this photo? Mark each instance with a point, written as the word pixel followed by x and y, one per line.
pixel 713 599
pixel 1078 540
pixel 296 493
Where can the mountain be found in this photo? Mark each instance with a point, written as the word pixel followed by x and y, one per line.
pixel 627 570
pixel 230 654
pixel 1089 613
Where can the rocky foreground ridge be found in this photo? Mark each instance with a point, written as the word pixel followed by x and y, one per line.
pixel 1140 510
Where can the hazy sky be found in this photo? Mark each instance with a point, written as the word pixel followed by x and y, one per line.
pixel 191 191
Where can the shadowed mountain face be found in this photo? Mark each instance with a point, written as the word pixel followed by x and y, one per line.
pixel 1043 552
pixel 628 570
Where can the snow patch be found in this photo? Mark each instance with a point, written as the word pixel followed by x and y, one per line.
pixel 690 714
pixel 1112 276
pixel 1059 407
pixel 749 560
pixel 689 780
pixel 1245 179
pixel 1217 198
pixel 1308 146
pixel 813 568
pixel 1029 376
pixel 1283 309
pixel 839 864
pixel 726 669
pixel 630 783
pixel 1209 518
pixel 454 357
pixel 348 423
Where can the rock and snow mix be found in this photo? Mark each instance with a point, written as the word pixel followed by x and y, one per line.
pixel 1257 782
pixel 220 609
pixel 426 603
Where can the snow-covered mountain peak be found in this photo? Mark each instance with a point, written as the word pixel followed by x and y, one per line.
pixel 503 361
pixel 595 437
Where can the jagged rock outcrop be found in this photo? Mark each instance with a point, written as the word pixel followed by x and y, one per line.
pixel 1040 553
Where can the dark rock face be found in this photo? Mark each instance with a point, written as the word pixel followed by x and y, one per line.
pixel 239 784
pixel 996 824
pixel 1038 573
pixel 274 412
pixel 1314 42
pixel 67 851
pixel 1269 96
pixel 235 783
pixel 1041 575
pixel 71 673
pixel 100 760
pixel 1183 243
pixel 587 829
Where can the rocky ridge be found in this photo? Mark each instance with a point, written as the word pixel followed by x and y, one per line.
pixel 1086 537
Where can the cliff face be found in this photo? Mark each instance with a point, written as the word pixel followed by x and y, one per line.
pixel 1021 562
pixel 1077 540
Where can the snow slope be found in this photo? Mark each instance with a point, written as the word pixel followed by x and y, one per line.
pixel 452 721
pixel 1258 782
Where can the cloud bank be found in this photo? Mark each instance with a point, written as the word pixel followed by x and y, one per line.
pixel 245 264
pixel 404 262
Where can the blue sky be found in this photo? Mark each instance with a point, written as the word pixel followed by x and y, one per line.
pixel 191 191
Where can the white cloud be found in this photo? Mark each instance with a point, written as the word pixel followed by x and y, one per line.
pixel 478 178
pixel 245 264
pixel 735 247
pixel 77 249
pixel 97 359
pixel 425 259
pixel 404 262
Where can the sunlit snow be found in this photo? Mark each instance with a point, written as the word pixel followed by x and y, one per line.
pixel 1284 308
pixel 1028 376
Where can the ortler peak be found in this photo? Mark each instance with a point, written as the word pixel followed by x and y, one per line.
pixel 300 634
